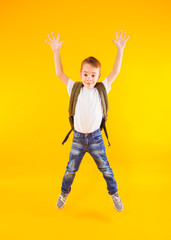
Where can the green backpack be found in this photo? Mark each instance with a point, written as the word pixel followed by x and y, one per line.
pixel 73 100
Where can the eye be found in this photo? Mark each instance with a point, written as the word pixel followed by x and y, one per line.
pixel 93 75
pixel 85 74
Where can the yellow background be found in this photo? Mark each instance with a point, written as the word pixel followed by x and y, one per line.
pixel 34 120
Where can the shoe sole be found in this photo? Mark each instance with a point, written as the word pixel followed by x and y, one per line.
pixel 60 208
pixel 119 210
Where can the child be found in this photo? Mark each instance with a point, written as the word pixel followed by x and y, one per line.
pixel 87 119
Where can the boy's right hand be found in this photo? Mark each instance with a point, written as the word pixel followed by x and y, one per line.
pixel 55 45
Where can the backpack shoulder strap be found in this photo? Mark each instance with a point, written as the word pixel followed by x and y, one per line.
pixel 74 96
pixel 104 99
pixel 73 100
pixel 103 95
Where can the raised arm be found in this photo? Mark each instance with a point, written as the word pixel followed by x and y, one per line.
pixel 55 45
pixel 120 43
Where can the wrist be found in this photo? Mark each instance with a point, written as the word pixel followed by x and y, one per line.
pixel 120 50
pixel 57 50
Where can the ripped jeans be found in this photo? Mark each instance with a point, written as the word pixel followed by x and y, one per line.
pixel 94 145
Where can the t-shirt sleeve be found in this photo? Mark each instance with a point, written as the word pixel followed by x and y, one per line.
pixel 70 85
pixel 106 85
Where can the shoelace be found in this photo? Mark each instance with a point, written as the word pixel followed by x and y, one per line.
pixel 63 199
pixel 115 199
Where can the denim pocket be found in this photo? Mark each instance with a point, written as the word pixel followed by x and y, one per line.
pixel 76 137
pixel 97 138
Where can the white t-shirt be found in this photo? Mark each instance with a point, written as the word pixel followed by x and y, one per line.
pixel 88 111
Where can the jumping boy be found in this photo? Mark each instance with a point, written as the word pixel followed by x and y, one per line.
pixel 87 119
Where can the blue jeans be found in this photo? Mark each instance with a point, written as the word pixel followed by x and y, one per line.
pixel 94 145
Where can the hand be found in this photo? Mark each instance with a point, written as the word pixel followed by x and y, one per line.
pixel 120 43
pixel 55 45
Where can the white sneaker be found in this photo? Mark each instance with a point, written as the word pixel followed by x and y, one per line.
pixel 61 200
pixel 117 202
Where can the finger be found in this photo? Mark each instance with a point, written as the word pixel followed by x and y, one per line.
pixel 124 35
pixel 121 34
pixel 47 42
pixel 53 35
pixel 116 35
pixel 126 38
pixel 50 37
pixel 114 42
pixel 58 37
pixel 61 43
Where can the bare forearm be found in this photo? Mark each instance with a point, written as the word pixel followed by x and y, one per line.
pixel 118 61
pixel 58 64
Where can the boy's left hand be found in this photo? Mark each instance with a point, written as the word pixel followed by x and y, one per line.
pixel 120 43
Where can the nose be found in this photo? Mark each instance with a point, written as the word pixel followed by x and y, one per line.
pixel 89 77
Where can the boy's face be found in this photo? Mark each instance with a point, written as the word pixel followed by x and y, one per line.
pixel 89 75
